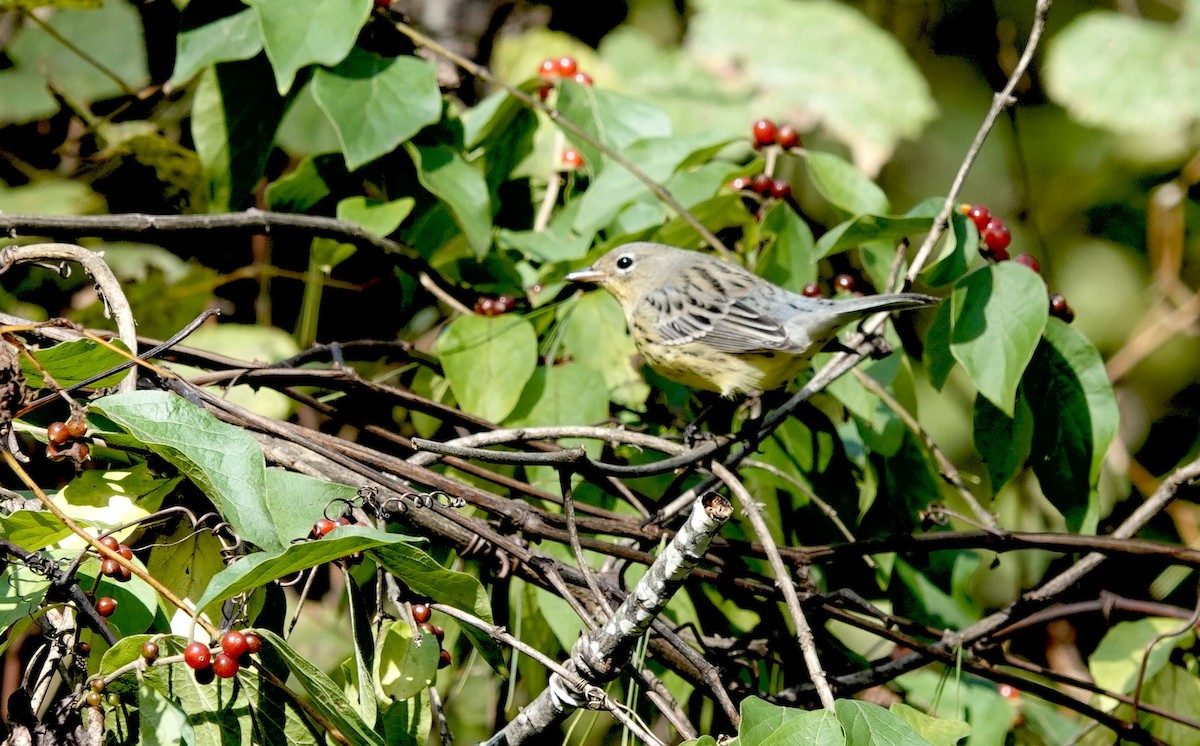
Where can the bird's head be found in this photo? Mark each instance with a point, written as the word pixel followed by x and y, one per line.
pixel 633 270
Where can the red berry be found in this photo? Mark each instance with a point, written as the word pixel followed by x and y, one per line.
pixel 234 643
pixel 544 91
pixel 582 78
pixel 125 551
pixel 844 283
pixel 787 136
pixel 110 542
pixel 197 655
pixel 322 527
pixel 80 452
pixel 57 433
pixel 444 658
pixel 566 66
pixel 96 685
pixel 253 642
pixel 548 70
pixel 1008 691
pixel 761 184
pixel 485 306
pixel 76 427
pixel 225 666
pixel 506 303
pixel 780 188
pixel 995 235
pixel 740 183
pixel 123 574
pixel 106 606
pixel 109 567
pixel 764 132
pixel 150 651
pixel 1028 261
pixel 812 290
pixel 204 675
pixel 1060 309
pixel 979 215
pixel 93 699
pixel 572 159
pixel 421 613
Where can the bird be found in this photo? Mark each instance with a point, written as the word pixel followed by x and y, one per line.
pixel 713 325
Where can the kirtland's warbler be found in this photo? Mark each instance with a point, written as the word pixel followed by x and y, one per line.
pixel 712 325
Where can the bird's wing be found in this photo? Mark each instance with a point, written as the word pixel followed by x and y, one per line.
pixel 723 317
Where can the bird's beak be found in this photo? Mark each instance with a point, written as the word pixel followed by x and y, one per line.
pixel 587 275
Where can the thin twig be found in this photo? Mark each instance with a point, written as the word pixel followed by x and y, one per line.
pixel 783 579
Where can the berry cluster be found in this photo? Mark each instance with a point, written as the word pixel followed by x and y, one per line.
pixel 109 567
pixel 764 185
pixel 994 240
pixel 59 434
pixel 765 133
pixel 421 614
pixel 843 283
pixel 488 306
pixel 234 652
pixel 553 70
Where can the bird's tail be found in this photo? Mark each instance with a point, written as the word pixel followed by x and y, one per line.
pixel 869 304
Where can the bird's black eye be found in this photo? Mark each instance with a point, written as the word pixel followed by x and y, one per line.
pixel 624 261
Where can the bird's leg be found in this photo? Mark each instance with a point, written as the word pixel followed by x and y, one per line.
pixel 872 345
pixel 692 434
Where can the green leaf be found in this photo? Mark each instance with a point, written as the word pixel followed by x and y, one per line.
pixel 443 171
pixel 938 360
pixel 404 668
pixel 868 723
pixel 324 695
pixel 1175 690
pixel 375 216
pixel 863 228
pixel 956 259
pixel 594 335
pixel 616 120
pixel 224 461
pixel 1121 654
pixel 260 568
pixel 410 722
pixel 235 114
pixel 319 32
pixel 201 44
pixel 1143 83
pixel 425 576
pixel 721 212
pixel 998 314
pixel 69 363
pixel 764 723
pixel 1003 442
pixel 824 58
pixel 557 242
pixel 21 594
pixel 376 103
pixel 488 361
pixel 26 97
pixel 360 676
pixel 843 185
pixel 1075 418
pixel 306 130
pixel 565 394
pixel 161 719
pixel 111 36
pixel 614 186
pixel 789 256
pixel 313 179
pixel 937 731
